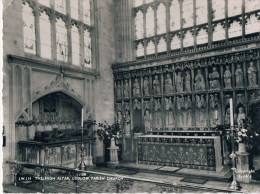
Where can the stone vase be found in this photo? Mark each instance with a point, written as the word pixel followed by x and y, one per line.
pixel 241 147
pixel 113 151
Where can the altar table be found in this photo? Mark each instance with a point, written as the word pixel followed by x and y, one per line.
pixel 197 152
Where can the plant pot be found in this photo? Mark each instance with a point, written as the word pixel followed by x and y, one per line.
pixel 241 147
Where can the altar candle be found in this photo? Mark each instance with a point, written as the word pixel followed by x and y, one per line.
pixel 231 112
pixel 82 117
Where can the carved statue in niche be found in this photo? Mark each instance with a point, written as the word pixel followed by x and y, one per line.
pixel 118 90
pixel 214 79
pixel 180 103
pixel 241 115
pixel 199 81
pixel 126 89
pixel 156 85
pixel 239 76
pixel 119 114
pixel 147 120
pixel 227 116
pixel 200 113
pixel 136 88
pixel 179 82
pixel 146 87
pixel 187 117
pixel 187 82
pixel 158 117
pixel 227 77
pixel 214 112
pixel 168 84
pixel 169 120
pixel 252 75
pixel 127 120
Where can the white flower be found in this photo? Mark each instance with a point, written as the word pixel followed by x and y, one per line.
pixel 256 134
pixel 243 130
pixel 244 135
pixel 239 139
pixel 106 133
pixel 239 133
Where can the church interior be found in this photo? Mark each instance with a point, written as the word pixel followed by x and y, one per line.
pixel 131 96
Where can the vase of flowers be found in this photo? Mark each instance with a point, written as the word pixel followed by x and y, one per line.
pixel 244 135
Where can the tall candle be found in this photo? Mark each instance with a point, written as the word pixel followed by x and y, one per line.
pixel 231 112
pixel 82 117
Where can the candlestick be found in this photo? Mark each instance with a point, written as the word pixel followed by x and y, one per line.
pixel 82 117
pixel 231 112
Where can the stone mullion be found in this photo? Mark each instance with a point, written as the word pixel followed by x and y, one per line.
pixel 210 27
pixel 93 99
pixel 243 19
pixel 156 40
pixel 258 70
pixel 162 96
pixel 81 45
pixel 245 74
pixel 226 20
pixel 181 25
pixel 168 42
pixel 222 106
pixel 193 97
pixel 37 29
pixel 69 39
pixel 53 35
pixel 142 101
pixel 130 101
pixel 206 94
pixel 194 24
pixel 144 10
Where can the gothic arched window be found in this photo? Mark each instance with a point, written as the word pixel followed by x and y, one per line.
pixel 150 22
pixel 29 29
pixel 140 49
pixel 234 7
pixel 61 40
pixel 74 9
pixel 219 32
pixel 87 49
pixel 75 45
pixel 187 13
pixel 218 9
pixel 175 15
pixel 139 25
pixel 150 49
pixel 201 11
pixel 45 35
pixel 161 19
pixel 86 11
pixel 162 46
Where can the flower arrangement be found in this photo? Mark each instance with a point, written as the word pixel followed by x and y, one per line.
pixel 107 131
pixel 245 133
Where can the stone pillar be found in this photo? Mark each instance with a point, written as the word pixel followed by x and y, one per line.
pixel 113 154
pixel 243 173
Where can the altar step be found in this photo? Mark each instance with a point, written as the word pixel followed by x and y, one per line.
pixel 224 175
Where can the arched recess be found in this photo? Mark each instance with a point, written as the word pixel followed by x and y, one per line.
pixel 35 98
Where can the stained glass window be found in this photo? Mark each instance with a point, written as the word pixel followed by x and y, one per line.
pixel 150 49
pixel 234 7
pixel 252 24
pixel 140 50
pixel 162 46
pixel 219 32
pixel 60 6
pixel 161 19
pixel 87 49
pixel 139 25
pixel 218 9
pixel 75 45
pixel 202 36
pixel 201 11
pixel 45 35
pixel 188 39
pixel 138 3
pixel 61 40
pixel 187 13
pixel 235 29
pixel 29 29
pixel 175 15
pixel 251 5
pixel 175 42
pixel 45 2
pixel 74 9
pixel 150 22
pixel 86 11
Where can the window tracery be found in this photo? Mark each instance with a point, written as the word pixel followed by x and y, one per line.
pixel 161 19
pixel 201 11
pixel 29 29
pixel 139 23
pixel 175 15
pixel 162 45
pixel 188 39
pixel 252 24
pixel 175 42
pixel 45 35
pixel 87 49
pixel 150 22
pixel 235 29
pixel 219 32
pixel 187 13
pixel 140 49
pixel 150 49
pixel 202 36
pixel 61 40
pixel 75 45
